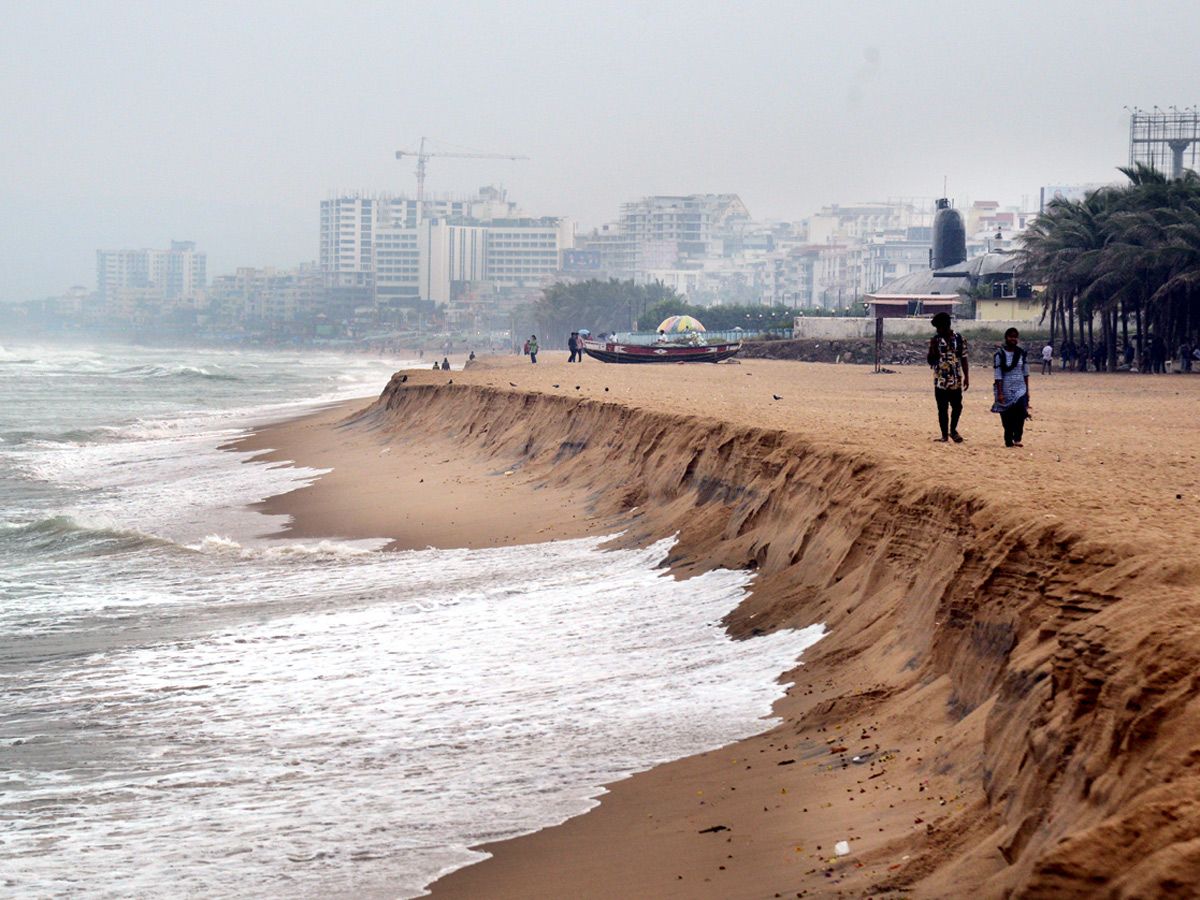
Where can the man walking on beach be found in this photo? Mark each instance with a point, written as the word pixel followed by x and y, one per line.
pixel 951 375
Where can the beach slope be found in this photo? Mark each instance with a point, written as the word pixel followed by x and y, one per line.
pixel 1004 702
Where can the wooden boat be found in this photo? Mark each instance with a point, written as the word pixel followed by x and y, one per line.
pixel 613 352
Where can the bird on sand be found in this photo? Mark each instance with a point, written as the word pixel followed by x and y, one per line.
pixel 512 384
pixel 776 396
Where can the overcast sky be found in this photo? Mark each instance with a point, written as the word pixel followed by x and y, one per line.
pixel 132 124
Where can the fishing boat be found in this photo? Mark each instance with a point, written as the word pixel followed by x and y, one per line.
pixel 610 351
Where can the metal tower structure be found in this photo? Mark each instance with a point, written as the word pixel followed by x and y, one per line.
pixel 1165 139
pixel 423 157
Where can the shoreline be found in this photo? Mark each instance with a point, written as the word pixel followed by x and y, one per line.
pixel 449 502
pixel 943 573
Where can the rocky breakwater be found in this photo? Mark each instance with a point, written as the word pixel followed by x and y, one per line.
pixel 859 352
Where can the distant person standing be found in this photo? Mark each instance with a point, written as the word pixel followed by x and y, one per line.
pixel 533 348
pixel 1158 355
pixel 573 346
pixel 951 375
pixel 1011 371
pixel 1047 356
pixel 445 364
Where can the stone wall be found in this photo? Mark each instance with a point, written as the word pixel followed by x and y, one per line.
pixel 829 327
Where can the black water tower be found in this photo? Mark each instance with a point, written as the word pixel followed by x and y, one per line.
pixel 949 237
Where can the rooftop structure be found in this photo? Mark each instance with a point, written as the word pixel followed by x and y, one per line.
pixel 1165 139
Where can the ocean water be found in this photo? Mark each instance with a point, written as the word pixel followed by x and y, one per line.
pixel 190 707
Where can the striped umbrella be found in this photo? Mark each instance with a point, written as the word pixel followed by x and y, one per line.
pixel 677 324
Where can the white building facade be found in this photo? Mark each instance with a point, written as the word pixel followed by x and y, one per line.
pixel 404 252
pixel 180 272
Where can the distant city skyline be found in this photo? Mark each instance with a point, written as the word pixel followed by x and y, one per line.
pixel 133 124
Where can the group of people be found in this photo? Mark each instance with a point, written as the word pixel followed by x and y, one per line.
pixel 575 345
pixel 1152 359
pixel 952 376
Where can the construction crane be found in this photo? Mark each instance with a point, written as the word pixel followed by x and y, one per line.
pixel 423 157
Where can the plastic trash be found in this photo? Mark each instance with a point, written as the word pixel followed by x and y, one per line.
pixel 842 848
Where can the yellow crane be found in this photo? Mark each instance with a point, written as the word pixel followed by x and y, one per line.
pixel 423 156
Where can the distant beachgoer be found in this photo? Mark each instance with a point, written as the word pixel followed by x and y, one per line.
pixel 1011 371
pixel 573 345
pixel 1158 355
pixel 445 364
pixel 526 351
pixel 951 375
pixel 472 356
pixel 533 348
pixel 1047 356
pixel 436 366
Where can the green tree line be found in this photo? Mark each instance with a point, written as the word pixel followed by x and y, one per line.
pixel 600 306
pixel 608 306
pixel 1125 256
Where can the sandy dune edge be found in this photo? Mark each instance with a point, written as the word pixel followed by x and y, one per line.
pixel 1005 701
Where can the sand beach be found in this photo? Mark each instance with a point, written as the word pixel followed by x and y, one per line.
pixel 1006 702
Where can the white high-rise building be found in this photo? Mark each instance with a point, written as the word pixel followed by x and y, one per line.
pixel 402 253
pixel 522 252
pixel 168 274
pixel 452 257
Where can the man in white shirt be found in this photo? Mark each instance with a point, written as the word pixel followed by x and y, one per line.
pixel 1047 354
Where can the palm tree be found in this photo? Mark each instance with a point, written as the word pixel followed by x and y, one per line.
pixel 1119 251
pixel 1061 250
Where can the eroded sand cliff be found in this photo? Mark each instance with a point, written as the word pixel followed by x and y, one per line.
pixel 1005 702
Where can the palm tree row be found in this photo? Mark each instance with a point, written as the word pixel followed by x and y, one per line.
pixel 1121 253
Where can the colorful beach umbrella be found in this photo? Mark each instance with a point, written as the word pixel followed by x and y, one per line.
pixel 677 324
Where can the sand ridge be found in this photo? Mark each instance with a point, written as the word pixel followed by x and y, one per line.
pixel 993 615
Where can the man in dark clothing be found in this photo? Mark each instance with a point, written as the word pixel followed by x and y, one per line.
pixel 951 375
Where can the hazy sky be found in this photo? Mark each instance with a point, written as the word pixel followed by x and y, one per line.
pixel 131 124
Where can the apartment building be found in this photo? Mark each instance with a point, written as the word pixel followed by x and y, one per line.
pixel 787 276
pixel 523 252
pixel 179 272
pixel 253 295
pixel 401 252
pixel 668 232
